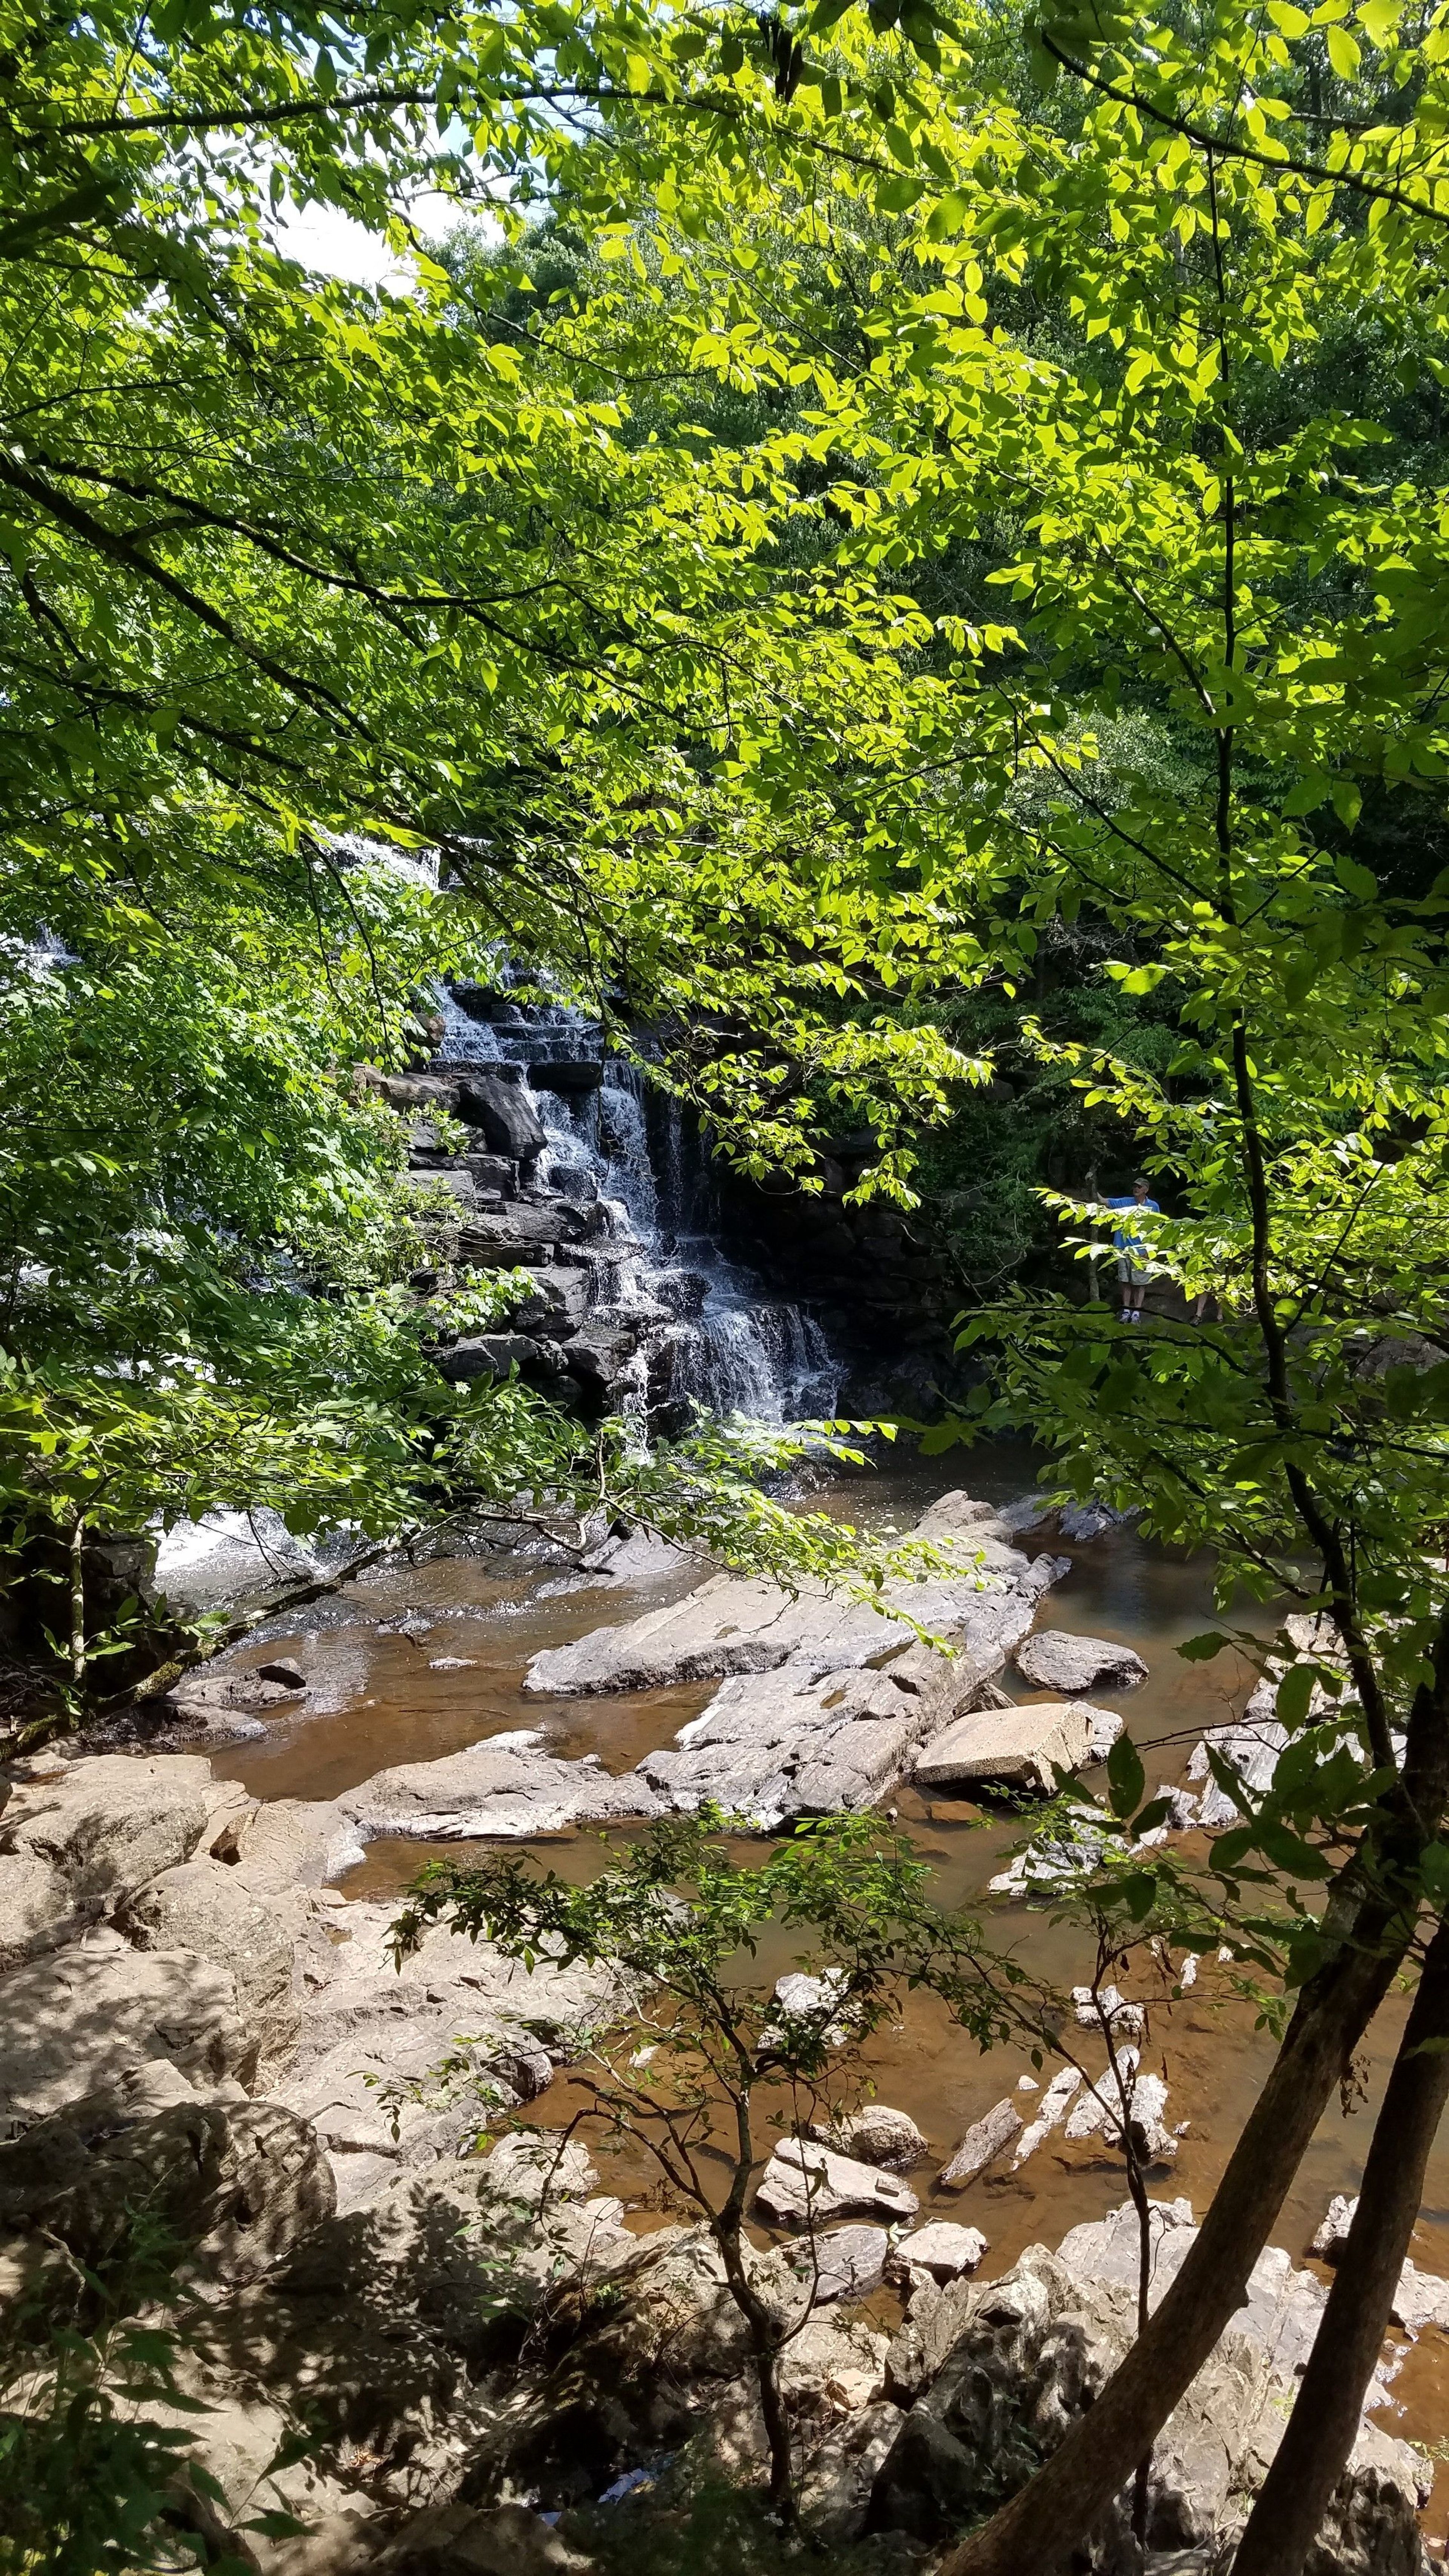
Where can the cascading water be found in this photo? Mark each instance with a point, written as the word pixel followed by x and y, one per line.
pixel 711 1334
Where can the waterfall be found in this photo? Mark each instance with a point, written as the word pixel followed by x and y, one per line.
pixel 711 1332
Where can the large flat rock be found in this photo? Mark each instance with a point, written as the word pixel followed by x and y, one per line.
pixel 1017 1746
pixel 110 1821
pixel 367 2025
pixel 772 1745
pixel 507 1787
pixel 731 1625
pixel 89 2016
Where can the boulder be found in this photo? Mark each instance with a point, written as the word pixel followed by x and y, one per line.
pixel 293 1843
pixel 1084 1521
pixel 207 1908
pixel 225 1705
pixel 1106 2007
pixel 942 2249
pixel 1251 1745
pixel 236 2183
pixel 502 1109
pixel 816 2002
pixel 110 1821
pixel 877 2135
pixel 804 2182
pixel 1018 1747
pixel 1056 1659
pixel 599 1354
pixel 83 2019
pixel 556 1304
pixel 506 1787
pixel 1421 2299
pixel 985 2140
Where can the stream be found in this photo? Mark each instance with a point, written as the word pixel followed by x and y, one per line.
pixel 380 1692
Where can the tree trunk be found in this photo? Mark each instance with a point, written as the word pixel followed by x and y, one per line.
pixel 1371 1912
pixel 765 2344
pixel 777 2430
pixel 78 1602
pixel 1073 2489
pixel 1311 2457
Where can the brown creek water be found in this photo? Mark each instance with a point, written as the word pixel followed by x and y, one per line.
pixel 377 1696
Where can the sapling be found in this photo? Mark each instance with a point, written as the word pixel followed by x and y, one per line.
pixel 704 2065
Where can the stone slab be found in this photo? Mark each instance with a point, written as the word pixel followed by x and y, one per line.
pixel 805 2183
pixel 783 1743
pixel 731 1625
pixel 941 2248
pixel 506 1788
pixel 1017 1746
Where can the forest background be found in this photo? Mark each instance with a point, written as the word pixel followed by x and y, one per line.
pixel 915 565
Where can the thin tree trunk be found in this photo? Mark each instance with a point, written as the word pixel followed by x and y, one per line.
pixel 765 2343
pixel 1322 2428
pixel 78 1602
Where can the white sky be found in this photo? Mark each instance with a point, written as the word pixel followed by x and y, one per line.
pixel 335 244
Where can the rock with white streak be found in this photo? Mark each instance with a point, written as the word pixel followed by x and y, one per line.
pixel 1059 1660
pixel 1333 2228
pixel 1250 1746
pixel 811 2007
pixel 1098 2105
pixel 878 2135
pixel 506 1788
pixel 805 2182
pixel 985 2140
pixel 1052 2113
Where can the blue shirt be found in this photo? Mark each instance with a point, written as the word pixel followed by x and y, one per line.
pixel 1125 1240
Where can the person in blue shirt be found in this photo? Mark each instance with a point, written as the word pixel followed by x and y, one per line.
pixel 1134 1268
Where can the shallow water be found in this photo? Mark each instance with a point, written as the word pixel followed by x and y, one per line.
pixel 377 1696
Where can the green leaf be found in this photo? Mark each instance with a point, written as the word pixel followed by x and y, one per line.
pixel 1201 1650
pixel 1358 881
pixel 1126 1779
pixel 1294 1695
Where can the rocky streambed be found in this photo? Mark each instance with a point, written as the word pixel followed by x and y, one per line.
pixel 201 2013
